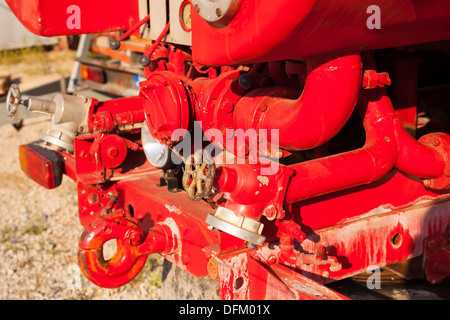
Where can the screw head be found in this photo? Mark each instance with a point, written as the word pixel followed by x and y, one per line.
pixel 113 152
pixel 135 238
pixel 227 106
pixel 436 142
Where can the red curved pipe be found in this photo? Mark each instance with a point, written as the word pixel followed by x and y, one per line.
pixel 388 145
pixel 417 159
pixel 326 103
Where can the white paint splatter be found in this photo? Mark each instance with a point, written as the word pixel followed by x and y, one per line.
pixel 264 180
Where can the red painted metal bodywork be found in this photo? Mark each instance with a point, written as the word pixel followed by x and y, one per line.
pixel 50 18
pixel 267 31
pixel 327 216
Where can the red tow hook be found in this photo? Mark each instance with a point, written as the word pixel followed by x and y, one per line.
pixel 133 247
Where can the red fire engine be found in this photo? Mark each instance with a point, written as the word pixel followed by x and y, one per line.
pixel 276 146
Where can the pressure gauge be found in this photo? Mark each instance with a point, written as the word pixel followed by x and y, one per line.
pixel 185 15
pixel 159 155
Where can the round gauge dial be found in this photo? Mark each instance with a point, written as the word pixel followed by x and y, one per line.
pixel 185 15
pixel 159 155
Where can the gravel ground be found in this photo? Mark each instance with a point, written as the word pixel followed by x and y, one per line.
pixel 39 234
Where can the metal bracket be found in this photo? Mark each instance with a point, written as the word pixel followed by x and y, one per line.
pixel 238 226
pixel 170 180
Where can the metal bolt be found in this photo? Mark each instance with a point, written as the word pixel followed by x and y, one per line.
pixel 272 259
pixel 426 183
pixel 279 154
pixel 113 152
pixel 213 269
pixel 262 107
pixel 271 212
pixel 447 172
pixel 436 142
pixel 228 106
pixel 135 238
pixel 107 229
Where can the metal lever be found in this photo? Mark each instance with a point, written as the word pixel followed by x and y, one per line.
pixel 145 60
pixel 114 43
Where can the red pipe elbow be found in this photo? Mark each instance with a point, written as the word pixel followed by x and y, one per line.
pixel 326 103
pixel 315 117
pixel 362 166
pixel 388 145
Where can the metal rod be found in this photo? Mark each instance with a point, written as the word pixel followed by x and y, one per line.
pixel 134 28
